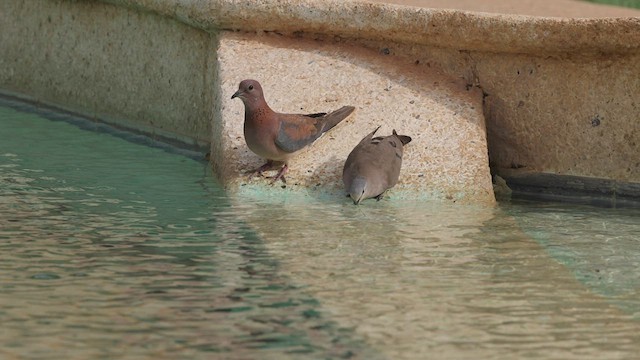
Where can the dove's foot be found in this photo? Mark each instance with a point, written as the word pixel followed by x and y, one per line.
pixel 268 165
pixel 280 175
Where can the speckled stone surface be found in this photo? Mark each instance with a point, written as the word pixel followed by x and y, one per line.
pixel 446 160
pixel 129 68
pixel 446 28
pixel 569 115
pixel 565 116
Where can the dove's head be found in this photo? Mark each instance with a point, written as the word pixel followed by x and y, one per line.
pixel 249 91
pixel 358 189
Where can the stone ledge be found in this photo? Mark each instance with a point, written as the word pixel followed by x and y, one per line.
pixel 433 27
pixel 124 67
pixel 447 159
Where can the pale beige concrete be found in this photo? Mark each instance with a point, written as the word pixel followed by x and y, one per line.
pixel 446 160
pixel 570 115
pixel 127 67
pixel 446 28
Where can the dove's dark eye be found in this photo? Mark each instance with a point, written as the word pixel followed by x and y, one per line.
pixel 250 87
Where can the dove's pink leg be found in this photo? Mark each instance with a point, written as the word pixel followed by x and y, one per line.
pixel 268 165
pixel 280 175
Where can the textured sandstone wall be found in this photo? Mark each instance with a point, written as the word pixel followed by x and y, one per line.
pixel 568 114
pixel 131 68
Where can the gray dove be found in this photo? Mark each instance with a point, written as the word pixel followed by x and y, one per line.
pixel 373 166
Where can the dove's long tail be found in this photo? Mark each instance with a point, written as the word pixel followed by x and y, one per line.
pixel 334 118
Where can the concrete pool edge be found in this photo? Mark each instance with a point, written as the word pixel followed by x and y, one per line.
pixel 526 73
pixel 473 31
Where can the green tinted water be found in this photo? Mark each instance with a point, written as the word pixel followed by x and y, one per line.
pixel 113 249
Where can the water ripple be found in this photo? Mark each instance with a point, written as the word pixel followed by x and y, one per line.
pixel 111 249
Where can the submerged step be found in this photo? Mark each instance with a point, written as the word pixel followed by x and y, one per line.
pixel 574 189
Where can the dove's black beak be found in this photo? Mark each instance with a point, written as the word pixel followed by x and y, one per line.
pixel 236 94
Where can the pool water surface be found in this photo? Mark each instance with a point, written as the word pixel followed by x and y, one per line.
pixel 113 246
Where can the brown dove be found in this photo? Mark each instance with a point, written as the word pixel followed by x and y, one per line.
pixel 373 166
pixel 275 136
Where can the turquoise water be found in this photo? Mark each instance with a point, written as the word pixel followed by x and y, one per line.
pixel 113 246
